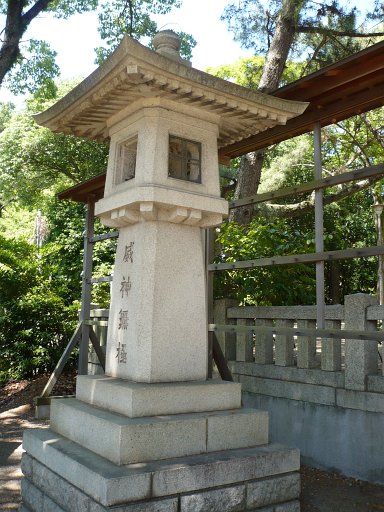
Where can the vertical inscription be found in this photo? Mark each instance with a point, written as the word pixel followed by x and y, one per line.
pixel 128 253
pixel 125 287
pixel 121 355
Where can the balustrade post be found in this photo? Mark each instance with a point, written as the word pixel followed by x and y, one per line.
pixel 244 344
pixel 331 349
pixel 306 345
pixel 264 343
pixel 284 345
pixel 360 355
pixel 227 340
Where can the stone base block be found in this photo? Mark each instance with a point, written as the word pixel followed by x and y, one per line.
pixel 136 399
pixel 61 476
pixel 124 440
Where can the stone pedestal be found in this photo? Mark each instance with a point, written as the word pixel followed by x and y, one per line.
pixel 63 476
pixel 135 447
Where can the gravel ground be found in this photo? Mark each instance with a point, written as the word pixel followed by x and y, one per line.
pixel 321 491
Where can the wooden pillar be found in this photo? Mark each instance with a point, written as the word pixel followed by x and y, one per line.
pixel 86 286
pixel 319 230
pixel 209 256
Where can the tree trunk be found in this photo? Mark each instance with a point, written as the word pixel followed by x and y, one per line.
pixel 334 277
pixel 15 26
pixel 251 164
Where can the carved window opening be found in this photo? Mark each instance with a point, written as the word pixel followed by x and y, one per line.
pixel 126 160
pixel 184 159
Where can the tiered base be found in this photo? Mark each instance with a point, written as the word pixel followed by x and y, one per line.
pixel 171 447
pixel 61 476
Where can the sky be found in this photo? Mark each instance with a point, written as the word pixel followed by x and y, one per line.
pixel 75 39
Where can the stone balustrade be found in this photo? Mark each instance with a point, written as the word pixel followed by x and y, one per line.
pixel 357 363
pixel 324 395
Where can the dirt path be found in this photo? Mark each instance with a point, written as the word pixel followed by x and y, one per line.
pixel 321 491
pixel 12 424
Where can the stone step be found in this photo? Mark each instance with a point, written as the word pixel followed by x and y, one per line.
pixel 136 399
pixel 269 473
pixel 124 440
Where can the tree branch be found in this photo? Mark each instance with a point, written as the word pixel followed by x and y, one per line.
pixel 15 25
pixel 307 29
pixel 298 209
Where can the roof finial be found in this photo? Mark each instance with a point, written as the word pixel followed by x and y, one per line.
pixel 168 44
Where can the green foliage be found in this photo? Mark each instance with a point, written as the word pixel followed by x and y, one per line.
pixel 325 32
pixel 34 160
pixel 264 286
pixel 66 241
pixel 247 71
pixel 6 111
pixel 35 71
pixel 134 18
pixel 35 321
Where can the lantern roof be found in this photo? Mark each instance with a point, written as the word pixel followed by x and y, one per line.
pixel 133 73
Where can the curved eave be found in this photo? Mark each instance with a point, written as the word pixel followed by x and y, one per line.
pixel 133 72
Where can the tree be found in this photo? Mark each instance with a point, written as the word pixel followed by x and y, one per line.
pixel 31 65
pixel 324 31
pixel 35 319
pixel 34 160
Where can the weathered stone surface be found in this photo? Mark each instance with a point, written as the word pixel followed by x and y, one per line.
pixel 362 400
pixel 163 505
pixel 109 484
pixel 331 349
pixel 224 499
pixel 334 312
pixel 58 489
pixel 293 506
pixel 125 440
pixel 102 480
pixel 264 343
pixel 306 346
pixel 244 342
pixel 32 496
pixel 292 390
pixel 248 427
pixel 147 342
pixel 230 499
pixel 36 499
pixel 24 508
pixel 284 345
pixel 376 383
pixel 135 399
pixel 306 376
pixel 360 355
pixel 227 339
pixel 225 468
pixel 274 490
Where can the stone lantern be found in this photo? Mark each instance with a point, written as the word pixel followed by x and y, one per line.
pixel 154 433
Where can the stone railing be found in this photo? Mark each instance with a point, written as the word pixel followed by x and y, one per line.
pixel 346 363
pixel 324 395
